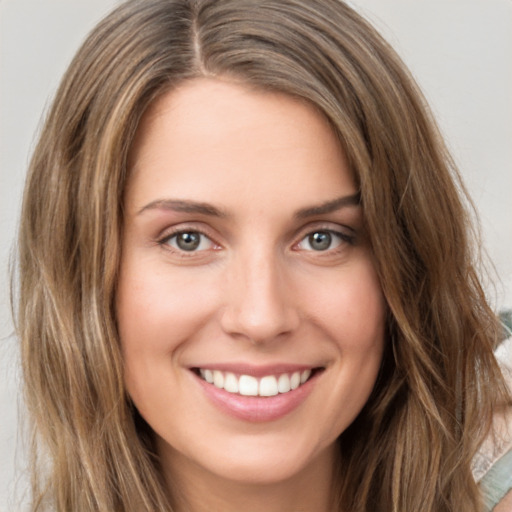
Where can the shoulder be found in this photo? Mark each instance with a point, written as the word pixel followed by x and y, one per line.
pixel 492 466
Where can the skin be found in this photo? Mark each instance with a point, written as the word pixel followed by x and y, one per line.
pixel 505 505
pixel 255 291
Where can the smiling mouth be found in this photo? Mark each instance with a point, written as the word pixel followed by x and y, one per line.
pixel 248 385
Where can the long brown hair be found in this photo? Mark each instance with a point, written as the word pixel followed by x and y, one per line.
pixel 411 447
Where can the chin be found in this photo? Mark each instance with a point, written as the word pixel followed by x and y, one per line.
pixel 260 460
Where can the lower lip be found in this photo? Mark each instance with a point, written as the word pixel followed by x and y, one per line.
pixel 258 409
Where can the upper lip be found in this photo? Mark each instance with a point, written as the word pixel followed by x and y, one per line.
pixel 256 370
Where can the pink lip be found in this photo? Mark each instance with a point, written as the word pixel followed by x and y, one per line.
pixel 257 409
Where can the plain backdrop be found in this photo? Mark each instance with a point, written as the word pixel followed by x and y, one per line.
pixel 460 51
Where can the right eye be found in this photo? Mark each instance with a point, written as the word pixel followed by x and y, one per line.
pixel 188 241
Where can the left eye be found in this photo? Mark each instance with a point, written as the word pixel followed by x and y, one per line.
pixel 321 241
pixel 189 241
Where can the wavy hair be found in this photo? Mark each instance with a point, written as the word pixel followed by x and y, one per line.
pixel 411 447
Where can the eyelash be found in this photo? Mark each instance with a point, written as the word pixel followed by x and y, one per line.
pixel 175 233
pixel 350 239
pixel 343 237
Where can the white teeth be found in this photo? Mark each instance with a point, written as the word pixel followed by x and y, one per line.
pixel 304 376
pixel 268 386
pixel 283 384
pixel 231 383
pixel 295 380
pixel 247 385
pixel 218 379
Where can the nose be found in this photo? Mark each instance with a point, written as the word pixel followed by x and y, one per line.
pixel 260 305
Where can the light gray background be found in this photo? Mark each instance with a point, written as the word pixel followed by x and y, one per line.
pixel 459 50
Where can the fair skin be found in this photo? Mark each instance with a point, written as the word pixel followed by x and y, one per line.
pixel 245 261
pixel 505 505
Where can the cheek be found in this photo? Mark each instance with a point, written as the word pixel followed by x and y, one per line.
pixel 156 311
pixel 354 315
pixel 351 307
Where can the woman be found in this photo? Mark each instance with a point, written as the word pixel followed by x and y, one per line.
pixel 246 274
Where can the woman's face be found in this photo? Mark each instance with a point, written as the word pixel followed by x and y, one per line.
pixel 250 314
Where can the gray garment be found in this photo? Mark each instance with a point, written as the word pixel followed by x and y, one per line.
pixel 497 482
pixel 492 466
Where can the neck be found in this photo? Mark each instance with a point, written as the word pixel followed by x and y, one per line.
pixel 195 489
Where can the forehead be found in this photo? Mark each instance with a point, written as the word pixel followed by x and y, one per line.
pixel 212 139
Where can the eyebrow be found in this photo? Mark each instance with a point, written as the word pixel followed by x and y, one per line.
pixel 329 206
pixel 185 206
pixel 188 206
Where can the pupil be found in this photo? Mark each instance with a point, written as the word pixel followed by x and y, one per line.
pixel 320 241
pixel 188 241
